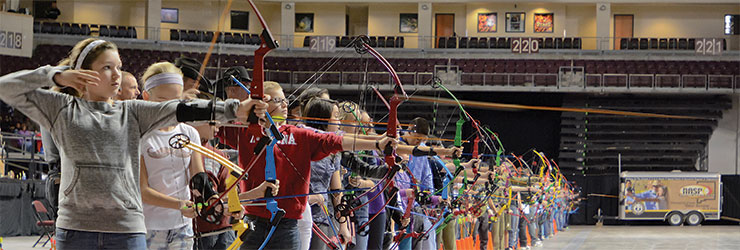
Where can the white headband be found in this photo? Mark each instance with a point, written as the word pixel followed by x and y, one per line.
pixel 161 79
pixel 83 54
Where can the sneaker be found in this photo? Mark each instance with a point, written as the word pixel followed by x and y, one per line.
pixel 550 236
pixel 538 244
pixel 524 248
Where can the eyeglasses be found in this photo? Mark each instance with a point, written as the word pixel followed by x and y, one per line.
pixel 279 100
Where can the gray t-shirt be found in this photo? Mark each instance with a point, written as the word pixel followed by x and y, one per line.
pixel 98 146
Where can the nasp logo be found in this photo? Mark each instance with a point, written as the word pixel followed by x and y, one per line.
pixel 695 191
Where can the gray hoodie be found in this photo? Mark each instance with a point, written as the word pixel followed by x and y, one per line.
pixel 99 148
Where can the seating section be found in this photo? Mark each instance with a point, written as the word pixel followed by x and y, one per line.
pixel 62 28
pixel 207 36
pixel 84 29
pixel 661 43
pixel 691 72
pixel 117 31
pixel 375 41
pixel 606 142
pixel 505 43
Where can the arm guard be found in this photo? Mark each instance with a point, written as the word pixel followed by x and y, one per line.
pixel 353 162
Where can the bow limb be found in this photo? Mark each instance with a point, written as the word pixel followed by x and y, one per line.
pixel 238 225
pixel 268 43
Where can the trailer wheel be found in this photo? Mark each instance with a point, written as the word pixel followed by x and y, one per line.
pixel 694 218
pixel 675 218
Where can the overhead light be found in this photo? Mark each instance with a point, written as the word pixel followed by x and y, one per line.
pixel 424 7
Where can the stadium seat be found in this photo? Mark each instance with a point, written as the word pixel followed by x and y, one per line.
pixel 653 43
pixel 672 43
pixel 373 41
pixel 558 43
pixel 103 31
pixel 399 42
pixel 441 42
pixel 624 43
pixel 577 44
pixel 66 28
pixel 192 36
pixel 691 44
pixel 381 42
pixel 390 42
pixel 85 29
pixel 473 43
pixel 228 37
pixel 549 43
pixel 56 28
pixel 492 43
pixel 483 43
pixel 200 36
pixel 132 32
pixel 344 41
pixel 238 38
pixel 452 42
pixel 207 36
pixel 567 43
pixel 256 40
pixel 76 29
pixel 683 44
pixel 463 43
pixel 504 43
pixel 663 43
pixel 36 27
pixel 174 35
pixel 634 43
pixel 644 43
pixel 119 31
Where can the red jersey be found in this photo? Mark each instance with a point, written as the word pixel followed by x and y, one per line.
pixel 293 156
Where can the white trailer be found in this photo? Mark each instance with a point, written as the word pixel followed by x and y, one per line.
pixel 675 197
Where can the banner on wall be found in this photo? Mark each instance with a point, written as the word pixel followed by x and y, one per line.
pixel 16 34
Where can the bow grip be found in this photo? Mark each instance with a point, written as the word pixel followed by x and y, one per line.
pixel 268 191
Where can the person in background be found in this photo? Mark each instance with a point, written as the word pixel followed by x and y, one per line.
pixel 129 89
pixel 165 172
pixel 192 88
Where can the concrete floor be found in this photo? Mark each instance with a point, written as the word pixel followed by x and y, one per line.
pixel 646 237
pixel 586 237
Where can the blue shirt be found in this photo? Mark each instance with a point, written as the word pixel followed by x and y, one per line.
pixel 419 166
pixel 650 194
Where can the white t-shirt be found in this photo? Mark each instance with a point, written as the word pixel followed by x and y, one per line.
pixel 168 171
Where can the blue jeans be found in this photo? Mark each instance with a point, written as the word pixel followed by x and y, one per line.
pixel 514 227
pixel 529 221
pixel 360 242
pixel 77 240
pixel 220 241
pixel 284 237
pixel 548 224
